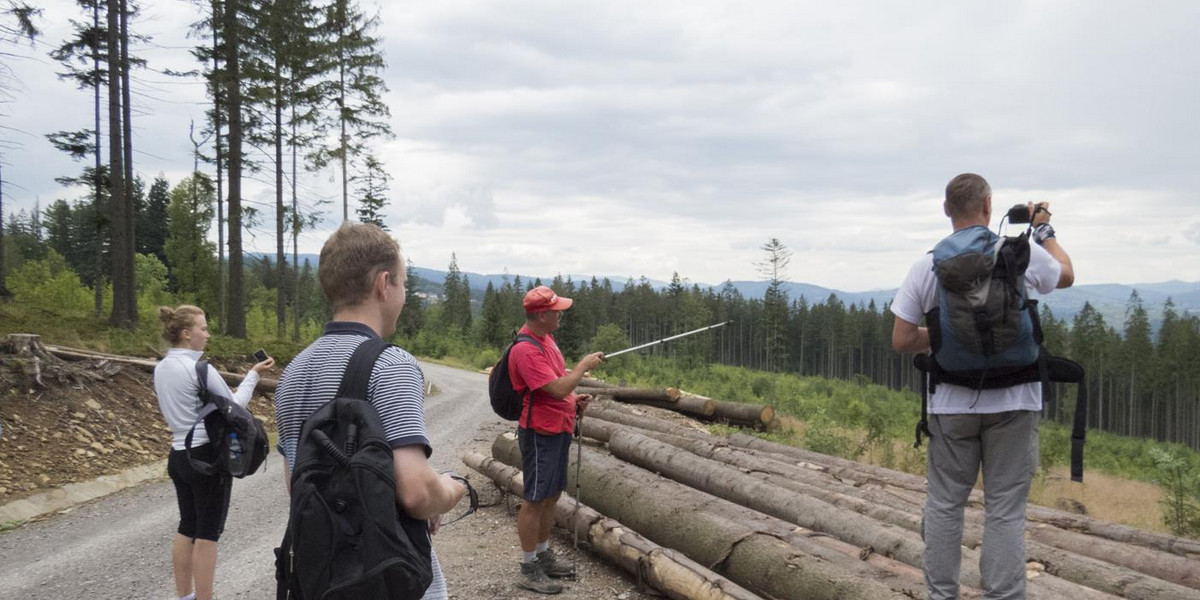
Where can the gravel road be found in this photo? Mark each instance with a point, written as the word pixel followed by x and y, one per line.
pixel 118 547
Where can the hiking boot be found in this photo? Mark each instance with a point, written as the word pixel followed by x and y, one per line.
pixel 534 579
pixel 549 564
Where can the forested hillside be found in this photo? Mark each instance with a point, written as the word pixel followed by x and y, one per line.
pixel 1139 385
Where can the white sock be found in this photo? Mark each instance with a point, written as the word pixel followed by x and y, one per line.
pixel 191 596
pixel 528 556
pixel 542 547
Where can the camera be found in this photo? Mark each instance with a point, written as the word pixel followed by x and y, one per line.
pixel 1019 213
pixel 260 355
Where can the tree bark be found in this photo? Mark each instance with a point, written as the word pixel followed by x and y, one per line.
pixel 757 415
pixel 116 170
pixel 688 405
pixel 863 474
pixel 761 553
pixel 665 569
pixel 633 394
pixel 1068 554
pixel 235 318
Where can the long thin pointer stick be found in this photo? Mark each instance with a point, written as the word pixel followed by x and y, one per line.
pixel 608 355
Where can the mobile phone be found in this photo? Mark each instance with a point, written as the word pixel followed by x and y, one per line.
pixel 260 355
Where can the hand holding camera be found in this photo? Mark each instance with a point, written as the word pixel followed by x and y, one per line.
pixel 1037 215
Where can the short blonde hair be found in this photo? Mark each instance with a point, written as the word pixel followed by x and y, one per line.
pixel 351 259
pixel 176 320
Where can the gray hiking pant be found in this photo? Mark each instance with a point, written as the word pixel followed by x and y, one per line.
pixel 1006 446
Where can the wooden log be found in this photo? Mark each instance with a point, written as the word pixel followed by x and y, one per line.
pixel 265 385
pixel 865 474
pixel 1168 558
pixel 757 415
pixel 625 393
pixel 739 488
pixel 756 551
pixel 1129 575
pixel 617 413
pixel 664 569
pixel 669 399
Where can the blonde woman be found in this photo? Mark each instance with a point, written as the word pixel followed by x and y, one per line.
pixel 203 499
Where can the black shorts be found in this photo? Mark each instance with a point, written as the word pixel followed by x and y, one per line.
pixel 203 499
pixel 544 462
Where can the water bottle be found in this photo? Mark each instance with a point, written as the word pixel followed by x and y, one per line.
pixel 237 463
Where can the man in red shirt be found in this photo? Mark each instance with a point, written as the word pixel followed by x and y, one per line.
pixel 544 433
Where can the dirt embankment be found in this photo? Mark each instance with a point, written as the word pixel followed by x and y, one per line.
pixel 86 419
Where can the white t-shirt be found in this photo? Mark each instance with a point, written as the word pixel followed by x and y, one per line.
pixel 918 295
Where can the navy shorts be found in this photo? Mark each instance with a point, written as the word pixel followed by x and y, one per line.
pixel 203 499
pixel 544 462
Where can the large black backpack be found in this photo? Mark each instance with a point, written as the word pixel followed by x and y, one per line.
pixel 346 537
pixel 506 402
pixel 223 420
pixel 984 332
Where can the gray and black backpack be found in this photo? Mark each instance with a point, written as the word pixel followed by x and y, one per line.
pixel 984 332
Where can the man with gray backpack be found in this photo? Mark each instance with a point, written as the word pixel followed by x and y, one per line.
pixel 350 413
pixel 986 398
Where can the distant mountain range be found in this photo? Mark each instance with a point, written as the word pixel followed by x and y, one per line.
pixel 1110 299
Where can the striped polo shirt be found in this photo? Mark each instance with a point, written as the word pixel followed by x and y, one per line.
pixel 396 390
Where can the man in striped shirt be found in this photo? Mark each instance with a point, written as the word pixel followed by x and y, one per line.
pixel 362 275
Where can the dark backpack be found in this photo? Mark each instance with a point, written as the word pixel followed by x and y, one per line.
pixel 346 537
pixel 985 332
pixel 223 419
pixel 506 402
pixel 984 323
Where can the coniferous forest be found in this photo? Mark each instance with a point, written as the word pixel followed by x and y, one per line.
pixel 295 88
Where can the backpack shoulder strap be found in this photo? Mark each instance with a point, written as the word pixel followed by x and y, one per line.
pixel 524 337
pixel 357 376
pixel 202 380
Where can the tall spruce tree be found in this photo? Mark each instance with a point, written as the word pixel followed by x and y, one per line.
pixel 371 187
pixel 232 32
pixel 90 46
pixel 412 318
pixel 189 252
pixel 775 302
pixel 152 219
pixel 355 89
pixel 457 303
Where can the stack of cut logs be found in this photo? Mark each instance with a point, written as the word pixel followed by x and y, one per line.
pixel 706 517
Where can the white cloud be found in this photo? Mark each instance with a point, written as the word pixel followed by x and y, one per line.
pixel 628 138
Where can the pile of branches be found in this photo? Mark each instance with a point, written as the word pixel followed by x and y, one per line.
pixel 701 516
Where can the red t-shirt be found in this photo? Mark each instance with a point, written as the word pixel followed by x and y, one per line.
pixel 531 368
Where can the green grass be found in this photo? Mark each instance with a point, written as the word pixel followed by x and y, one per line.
pixel 10 525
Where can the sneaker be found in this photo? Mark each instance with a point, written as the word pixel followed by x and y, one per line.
pixel 552 568
pixel 534 579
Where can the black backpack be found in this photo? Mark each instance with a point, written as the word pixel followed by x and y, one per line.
pixel 223 420
pixel 346 537
pixel 506 402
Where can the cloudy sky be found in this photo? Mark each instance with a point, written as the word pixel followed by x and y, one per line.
pixel 646 138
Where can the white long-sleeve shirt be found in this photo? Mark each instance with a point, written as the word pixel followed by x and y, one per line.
pixel 178 393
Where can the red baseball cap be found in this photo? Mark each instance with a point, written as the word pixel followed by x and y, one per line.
pixel 542 299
